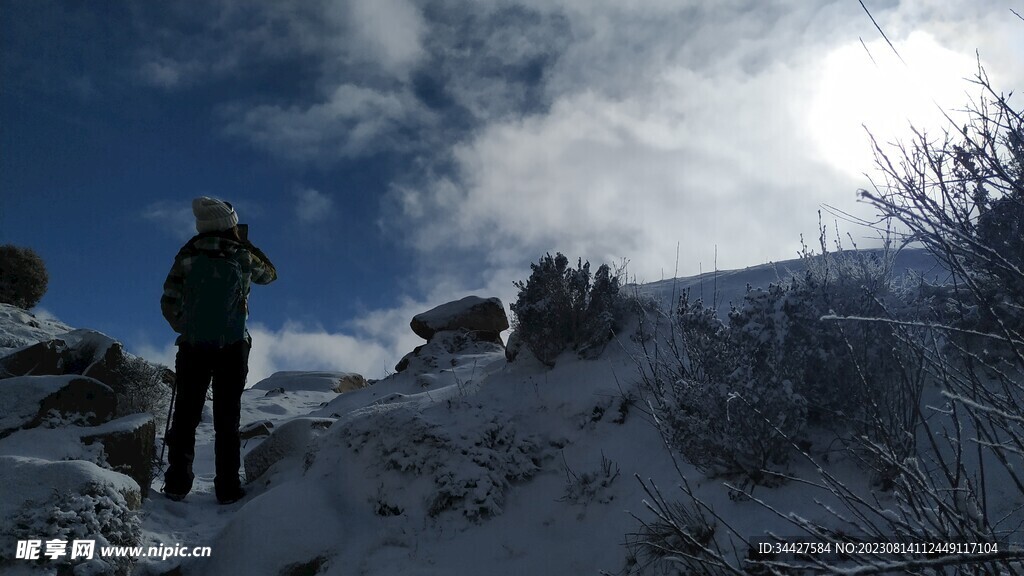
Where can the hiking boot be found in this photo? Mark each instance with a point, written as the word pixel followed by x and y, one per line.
pixel 231 496
pixel 175 496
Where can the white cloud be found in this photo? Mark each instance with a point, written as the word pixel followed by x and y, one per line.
pixel 173 217
pixel 163 73
pixel 387 33
pixel 190 44
pixel 158 354
pixel 364 52
pixel 297 347
pixel 884 95
pixel 688 161
pixel 313 206
pixel 353 121
pixel 679 123
pixel 601 129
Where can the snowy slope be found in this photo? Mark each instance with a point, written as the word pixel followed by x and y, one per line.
pixel 477 467
pixel 472 471
pixel 725 287
pixel 20 328
pixel 495 469
pixel 481 467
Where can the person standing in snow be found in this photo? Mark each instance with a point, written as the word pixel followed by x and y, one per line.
pixel 205 300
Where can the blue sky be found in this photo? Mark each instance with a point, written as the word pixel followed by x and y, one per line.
pixel 392 155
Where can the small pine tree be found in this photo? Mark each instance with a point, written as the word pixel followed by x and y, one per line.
pixel 558 307
pixel 541 309
pixel 604 309
pixel 23 277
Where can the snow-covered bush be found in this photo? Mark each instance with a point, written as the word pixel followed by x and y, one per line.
pixel 960 196
pixel 23 276
pixel 733 398
pixel 953 471
pixel 469 472
pixel 714 407
pixel 98 513
pixel 559 306
pixel 853 375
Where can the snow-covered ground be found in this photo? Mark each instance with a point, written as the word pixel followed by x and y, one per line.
pixel 19 328
pixel 488 468
pixel 479 466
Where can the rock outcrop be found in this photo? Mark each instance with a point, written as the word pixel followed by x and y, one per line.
pixel 470 325
pixel 20 328
pixel 483 316
pixel 62 398
pixel 32 401
pixel 128 446
pixel 82 352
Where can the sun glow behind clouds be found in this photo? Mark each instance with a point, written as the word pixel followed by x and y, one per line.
pixel 877 91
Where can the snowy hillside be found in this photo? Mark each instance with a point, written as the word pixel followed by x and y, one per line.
pixel 726 287
pixel 19 328
pixel 469 464
pixel 477 467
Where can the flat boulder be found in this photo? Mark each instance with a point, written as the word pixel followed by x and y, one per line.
pixel 485 316
pixel 292 381
pixel 31 401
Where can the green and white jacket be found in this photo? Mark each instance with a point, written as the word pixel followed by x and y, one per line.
pixel 256 266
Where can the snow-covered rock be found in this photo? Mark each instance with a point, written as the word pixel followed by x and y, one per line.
pixel 312 381
pixel 469 326
pixel 256 429
pixel 74 352
pixel 445 349
pixel 84 352
pixel 124 445
pixel 59 398
pixel 31 401
pixel 39 358
pixel 473 313
pixel 128 446
pixel 291 439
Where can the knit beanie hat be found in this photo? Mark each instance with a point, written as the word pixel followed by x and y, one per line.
pixel 213 215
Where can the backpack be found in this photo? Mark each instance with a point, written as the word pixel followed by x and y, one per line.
pixel 214 308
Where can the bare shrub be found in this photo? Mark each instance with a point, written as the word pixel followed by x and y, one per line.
pixel 953 474
pixel 144 387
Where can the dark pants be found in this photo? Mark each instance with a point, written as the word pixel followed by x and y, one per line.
pixel 195 366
